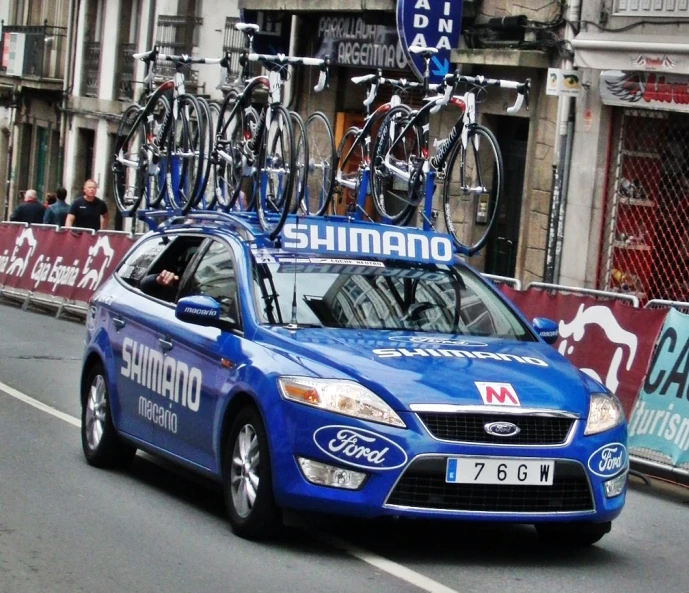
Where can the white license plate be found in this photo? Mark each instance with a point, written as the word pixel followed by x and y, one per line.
pixel 508 471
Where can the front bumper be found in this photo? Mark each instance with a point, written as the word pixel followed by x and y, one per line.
pixel 416 487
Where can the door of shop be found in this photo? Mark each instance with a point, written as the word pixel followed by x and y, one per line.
pixel 501 250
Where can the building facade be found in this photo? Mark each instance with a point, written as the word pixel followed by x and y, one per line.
pixel 630 199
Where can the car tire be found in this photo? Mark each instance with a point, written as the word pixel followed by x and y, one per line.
pixel 99 440
pixel 248 480
pixel 572 535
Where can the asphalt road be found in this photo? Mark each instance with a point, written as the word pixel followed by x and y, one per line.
pixel 66 527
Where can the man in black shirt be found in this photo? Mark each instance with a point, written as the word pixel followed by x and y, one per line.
pixel 88 211
pixel 30 211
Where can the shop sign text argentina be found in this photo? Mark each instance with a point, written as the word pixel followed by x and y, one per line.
pixel 360 41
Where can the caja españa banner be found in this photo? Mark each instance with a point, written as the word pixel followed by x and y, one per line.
pixel 660 421
pixel 67 263
pixel 608 340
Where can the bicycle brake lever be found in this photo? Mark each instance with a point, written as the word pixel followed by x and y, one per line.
pixel 522 97
pixel 517 104
pixel 322 79
pixel 323 76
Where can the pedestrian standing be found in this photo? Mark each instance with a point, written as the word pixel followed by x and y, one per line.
pixel 57 213
pixel 88 211
pixel 31 211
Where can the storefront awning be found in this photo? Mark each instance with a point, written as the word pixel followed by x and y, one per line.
pixel 610 51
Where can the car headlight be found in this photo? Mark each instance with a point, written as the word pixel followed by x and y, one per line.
pixel 339 396
pixel 605 412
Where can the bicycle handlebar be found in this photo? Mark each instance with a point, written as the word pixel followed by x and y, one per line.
pixel 452 80
pixel 284 60
pixel 377 79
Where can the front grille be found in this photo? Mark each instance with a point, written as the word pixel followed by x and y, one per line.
pixel 423 486
pixel 469 428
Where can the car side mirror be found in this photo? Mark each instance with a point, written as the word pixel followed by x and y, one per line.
pixel 546 328
pixel 198 309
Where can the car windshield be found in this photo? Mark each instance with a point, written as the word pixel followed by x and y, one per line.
pixel 379 295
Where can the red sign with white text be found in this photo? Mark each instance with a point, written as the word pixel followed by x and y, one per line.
pixel 608 340
pixel 67 264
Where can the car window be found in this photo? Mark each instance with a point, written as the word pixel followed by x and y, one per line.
pixel 133 268
pixel 178 255
pixel 214 276
pixel 382 295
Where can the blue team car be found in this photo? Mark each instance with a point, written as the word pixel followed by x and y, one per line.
pixel 349 368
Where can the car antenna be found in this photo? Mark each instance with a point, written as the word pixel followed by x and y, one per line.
pixel 293 322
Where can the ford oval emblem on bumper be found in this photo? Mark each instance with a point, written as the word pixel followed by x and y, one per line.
pixel 502 429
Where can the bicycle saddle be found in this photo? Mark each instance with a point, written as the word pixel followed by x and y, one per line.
pixel 247 27
pixel 426 52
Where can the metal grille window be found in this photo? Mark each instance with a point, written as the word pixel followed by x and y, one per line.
pixel 175 35
pixel 91 68
pixel 645 247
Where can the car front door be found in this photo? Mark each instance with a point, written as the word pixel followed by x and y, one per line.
pixel 200 361
pixel 132 341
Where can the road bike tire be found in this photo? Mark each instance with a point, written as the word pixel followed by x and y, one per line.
pixel 275 172
pixel 185 143
pixel 127 181
pixel 231 156
pixel 472 175
pixel 391 195
pixel 157 122
pixel 209 198
pixel 320 173
pixel 349 157
pixel 138 142
pixel 301 161
pixel 199 200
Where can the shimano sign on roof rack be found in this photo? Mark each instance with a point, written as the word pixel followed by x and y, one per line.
pixel 334 236
pixel 361 239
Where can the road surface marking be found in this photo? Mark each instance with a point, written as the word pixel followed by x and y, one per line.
pixel 392 568
pixel 40 405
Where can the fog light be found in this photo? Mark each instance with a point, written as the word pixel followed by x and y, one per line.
pixel 615 486
pixel 330 475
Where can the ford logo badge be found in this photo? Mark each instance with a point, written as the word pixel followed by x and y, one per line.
pixel 359 447
pixel 502 429
pixel 608 460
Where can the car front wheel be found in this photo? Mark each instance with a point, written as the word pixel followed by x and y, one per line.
pixel 102 447
pixel 251 507
pixel 572 535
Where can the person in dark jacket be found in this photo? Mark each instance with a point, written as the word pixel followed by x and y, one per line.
pixel 57 213
pixel 31 211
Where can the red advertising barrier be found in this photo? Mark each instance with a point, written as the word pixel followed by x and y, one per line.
pixel 64 263
pixel 608 340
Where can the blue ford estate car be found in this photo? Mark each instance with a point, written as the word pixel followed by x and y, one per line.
pixel 347 368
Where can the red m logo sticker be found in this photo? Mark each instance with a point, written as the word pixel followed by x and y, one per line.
pixel 498 394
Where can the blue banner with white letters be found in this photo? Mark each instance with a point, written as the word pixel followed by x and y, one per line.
pixel 430 23
pixel 329 237
pixel 660 420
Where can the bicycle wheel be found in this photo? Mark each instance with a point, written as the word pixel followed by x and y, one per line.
pixel 350 157
pixel 127 165
pixel 474 177
pixel 139 163
pixel 397 192
pixel 157 124
pixel 209 198
pixel 233 159
pixel 301 160
pixel 207 130
pixel 275 172
pixel 186 153
pixel 321 168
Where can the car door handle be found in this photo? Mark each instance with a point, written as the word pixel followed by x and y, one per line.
pixel 165 344
pixel 118 322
